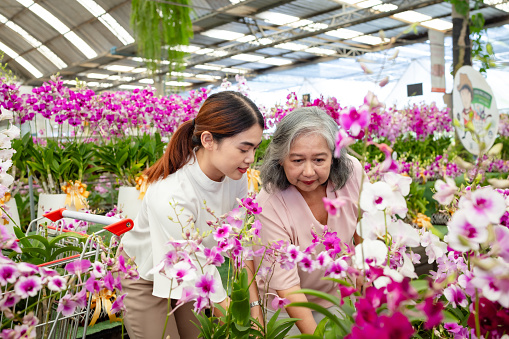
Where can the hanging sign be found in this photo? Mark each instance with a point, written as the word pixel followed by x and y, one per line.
pixel 474 106
pixel 436 43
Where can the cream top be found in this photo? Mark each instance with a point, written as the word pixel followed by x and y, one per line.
pixel 189 187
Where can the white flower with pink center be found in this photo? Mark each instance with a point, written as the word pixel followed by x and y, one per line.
pixel 337 269
pixel 463 235
pixel 433 246
pixel 494 283
pixel 8 274
pixel 57 283
pixel 98 269
pixel 375 196
pixel 445 191
pixel 182 271
pixel 28 286
pixel 222 232
pixel 372 225
pixel 403 234
pixel 399 183
pixel 484 206
pixel 370 252
pixel 455 296
pixel 294 254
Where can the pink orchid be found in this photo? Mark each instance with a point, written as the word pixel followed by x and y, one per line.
pixel 342 140
pixel 463 235
pixel 222 232
pixel 66 305
pixel 206 285
pixel 28 286
pixel 484 206
pixel 278 302
pixel 445 191
pixel 332 206
pixel 78 266
pixel 118 304
pixel 354 120
pixel 455 296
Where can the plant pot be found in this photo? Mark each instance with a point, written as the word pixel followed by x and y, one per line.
pixel 128 201
pixel 52 202
pixel 13 213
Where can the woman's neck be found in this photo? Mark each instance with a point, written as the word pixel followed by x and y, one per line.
pixel 207 167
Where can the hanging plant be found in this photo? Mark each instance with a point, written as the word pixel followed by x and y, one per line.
pixel 161 24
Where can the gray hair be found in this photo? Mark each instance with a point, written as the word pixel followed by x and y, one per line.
pixel 302 121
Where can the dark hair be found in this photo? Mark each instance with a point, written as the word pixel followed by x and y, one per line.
pixel 466 86
pixel 223 114
pixel 302 121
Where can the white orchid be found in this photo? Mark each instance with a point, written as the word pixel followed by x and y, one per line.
pixel 484 206
pixel 445 191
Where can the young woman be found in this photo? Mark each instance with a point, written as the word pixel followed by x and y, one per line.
pixel 205 160
pixel 298 171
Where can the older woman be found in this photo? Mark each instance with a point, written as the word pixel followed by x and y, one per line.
pixel 299 170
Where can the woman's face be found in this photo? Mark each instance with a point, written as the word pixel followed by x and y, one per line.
pixel 232 156
pixel 308 164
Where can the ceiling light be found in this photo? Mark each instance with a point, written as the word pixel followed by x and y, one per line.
pixel 320 51
pixel 119 68
pixel 139 70
pixel 370 40
pixel 277 18
pixel 276 61
pixel 438 24
pixel 178 83
pixel 369 3
pixel 209 67
pixel 130 87
pixel 208 77
pixel 146 81
pixel 343 33
pixel 292 46
pixel 412 16
pixel 234 70
pixel 222 34
pixel 247 57
pixel 204 51
pixel 385 7
pixel 97 75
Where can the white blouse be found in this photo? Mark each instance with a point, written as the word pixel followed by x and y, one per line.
pixel 189 187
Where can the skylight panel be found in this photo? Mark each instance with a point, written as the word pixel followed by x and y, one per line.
pixel 120 78
pixel 247 57
pixel 320 51
pixel 308 25
pixel 182 74
pixel 343 33
pixel 208 77
pixel 92 7
pixel 385 7
pixel 116 29
pixel 369 3
pixel 218 53
pixel 186 49
pixel 208 67
pixel 412 16
pixel 178 83
pixel 277 18
pixel 3 19
pixel 97 75
pixel 222 34
pixel 204 51
pixel 276 61
pixel 292 46
pixel 130 87
pixel 253 40
pixel 29 67
pixel 139 70
pixel 146 81
pixel 36 44
pixel 80 44
pixel 503 7
pixel 119 68
pixel 60 27
pixel 370 40
pixel 438 24
pixel 10 52
pixel 234 70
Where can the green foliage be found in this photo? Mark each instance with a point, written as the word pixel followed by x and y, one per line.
pixel 260 152
pixel 416 201
pixel 159 24
pixel 126 158
pixel 37 249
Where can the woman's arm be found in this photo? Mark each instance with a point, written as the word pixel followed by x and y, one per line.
pixel 256 311
pixel 307 323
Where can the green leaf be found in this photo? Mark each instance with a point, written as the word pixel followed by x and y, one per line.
pixel 66 249
pixel 420 285
pixel 450 318
pixel 320 309
pixel 326 296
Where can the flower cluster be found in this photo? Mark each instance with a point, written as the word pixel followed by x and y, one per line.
pixel 503 125
pixel 106 114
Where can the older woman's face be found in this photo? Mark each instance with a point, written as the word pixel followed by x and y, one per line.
pixel 309 162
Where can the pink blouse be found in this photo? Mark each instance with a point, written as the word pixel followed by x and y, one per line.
pixel 286 216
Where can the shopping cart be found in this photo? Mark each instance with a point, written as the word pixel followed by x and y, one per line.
pixel 52 324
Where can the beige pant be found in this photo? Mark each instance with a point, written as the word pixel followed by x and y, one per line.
pixel 295 330
pixel 146 314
